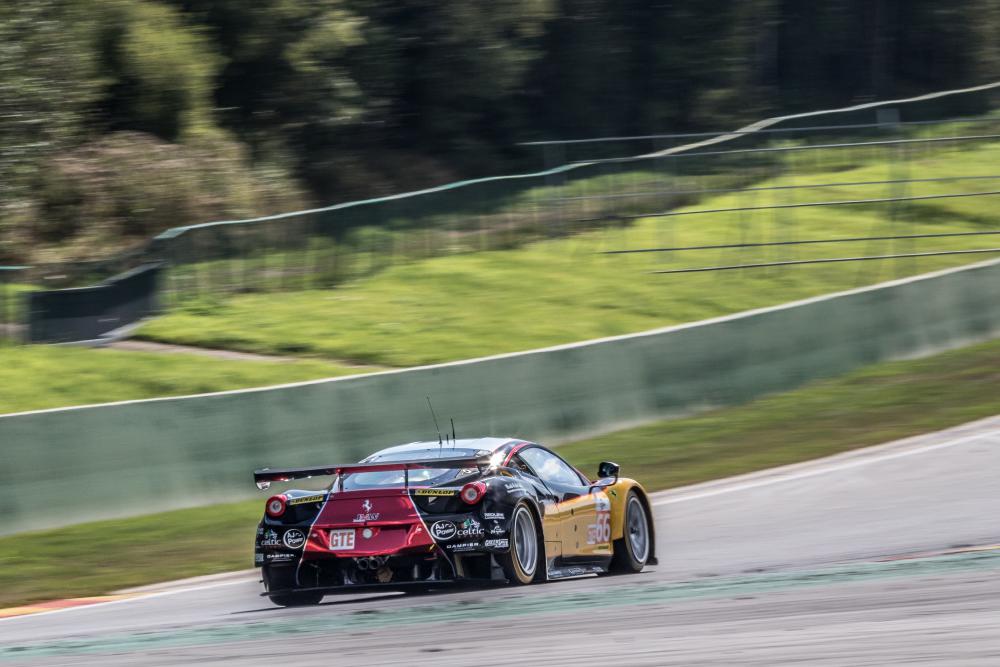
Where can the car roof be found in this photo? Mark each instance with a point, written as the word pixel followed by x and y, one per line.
pixel 488 444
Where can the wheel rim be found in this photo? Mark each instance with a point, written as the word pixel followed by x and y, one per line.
pixel 638 530
pixel 525 541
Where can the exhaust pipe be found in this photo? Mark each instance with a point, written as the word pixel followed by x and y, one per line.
pixel 371 562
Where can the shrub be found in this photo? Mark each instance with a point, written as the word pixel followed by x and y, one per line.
pixel 128 186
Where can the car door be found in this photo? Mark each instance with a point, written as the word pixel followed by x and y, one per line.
pixel 548 500
pixel 576 508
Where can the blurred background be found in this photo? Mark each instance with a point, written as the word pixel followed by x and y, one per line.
pixel 207 196
pixel 121 120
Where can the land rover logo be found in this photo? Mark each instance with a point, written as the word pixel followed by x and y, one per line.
pixel 294 538
pixel 443 530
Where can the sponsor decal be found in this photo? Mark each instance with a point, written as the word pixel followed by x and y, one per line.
pixel 471 528
pixel 294 538
pixel 557 573
pixel 463 546
pixel 434 492
pixel 280 557
pixel 443 530
pixel 270 539
pixel 307 499
pixel 467 471
pixel 498 544
pixel 494 515
pixel 258 558
pixel 513 486
pixel 600 531
pixel 260 530
pixel 366 513
pixel 342 540
pixel 497 529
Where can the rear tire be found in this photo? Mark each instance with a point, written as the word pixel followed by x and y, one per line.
pixel 633 549
pixel 525 561
pixel 283 578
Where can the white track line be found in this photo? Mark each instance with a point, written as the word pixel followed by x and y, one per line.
pixel 832 465
pixel 101 605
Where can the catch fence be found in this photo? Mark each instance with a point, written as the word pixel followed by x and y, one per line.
pixel 897 158
pixel 322 248
pixel 632 179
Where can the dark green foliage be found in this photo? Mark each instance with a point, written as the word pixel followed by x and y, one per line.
pixel 48 82
pixel 160 73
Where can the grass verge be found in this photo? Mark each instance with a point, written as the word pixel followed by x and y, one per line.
pixel 37 377
pixel 874 405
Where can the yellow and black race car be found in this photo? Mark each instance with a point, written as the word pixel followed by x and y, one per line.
pixel 433 513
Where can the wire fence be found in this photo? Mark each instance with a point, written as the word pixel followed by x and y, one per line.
pixel 323 248
pixel 906 175
pixel 829 260
pixel 771 244
pixel 959 105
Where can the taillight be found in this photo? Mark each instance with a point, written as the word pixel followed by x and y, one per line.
pixel 473 492
pixel 275 506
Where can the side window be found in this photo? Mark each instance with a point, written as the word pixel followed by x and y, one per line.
pixel 550 467
pixel 518 464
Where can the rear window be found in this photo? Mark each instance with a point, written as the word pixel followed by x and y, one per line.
pixel 385 479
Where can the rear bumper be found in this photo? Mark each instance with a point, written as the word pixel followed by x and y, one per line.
pixel 379 573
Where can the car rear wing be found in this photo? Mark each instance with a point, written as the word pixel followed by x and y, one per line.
pixel 264 477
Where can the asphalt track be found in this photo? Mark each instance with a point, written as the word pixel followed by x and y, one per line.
pixel 883 556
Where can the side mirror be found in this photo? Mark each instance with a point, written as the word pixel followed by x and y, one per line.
pixel 608 469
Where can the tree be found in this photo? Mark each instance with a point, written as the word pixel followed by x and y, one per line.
pixel 161 72
pixel 48 82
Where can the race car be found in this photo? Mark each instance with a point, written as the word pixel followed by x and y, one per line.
pixel 429 514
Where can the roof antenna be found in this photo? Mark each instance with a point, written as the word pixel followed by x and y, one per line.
pixel 434 417
pixel 453 438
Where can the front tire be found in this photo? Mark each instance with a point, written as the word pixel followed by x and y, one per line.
pixel 633 549
pixel 525 562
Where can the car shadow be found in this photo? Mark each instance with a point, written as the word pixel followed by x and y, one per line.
pixel 335 600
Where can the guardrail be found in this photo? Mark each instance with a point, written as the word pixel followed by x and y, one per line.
pixel 87 463
pixel 88 314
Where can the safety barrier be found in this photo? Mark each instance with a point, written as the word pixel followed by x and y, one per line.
pixel 78 464
pixel 89 313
